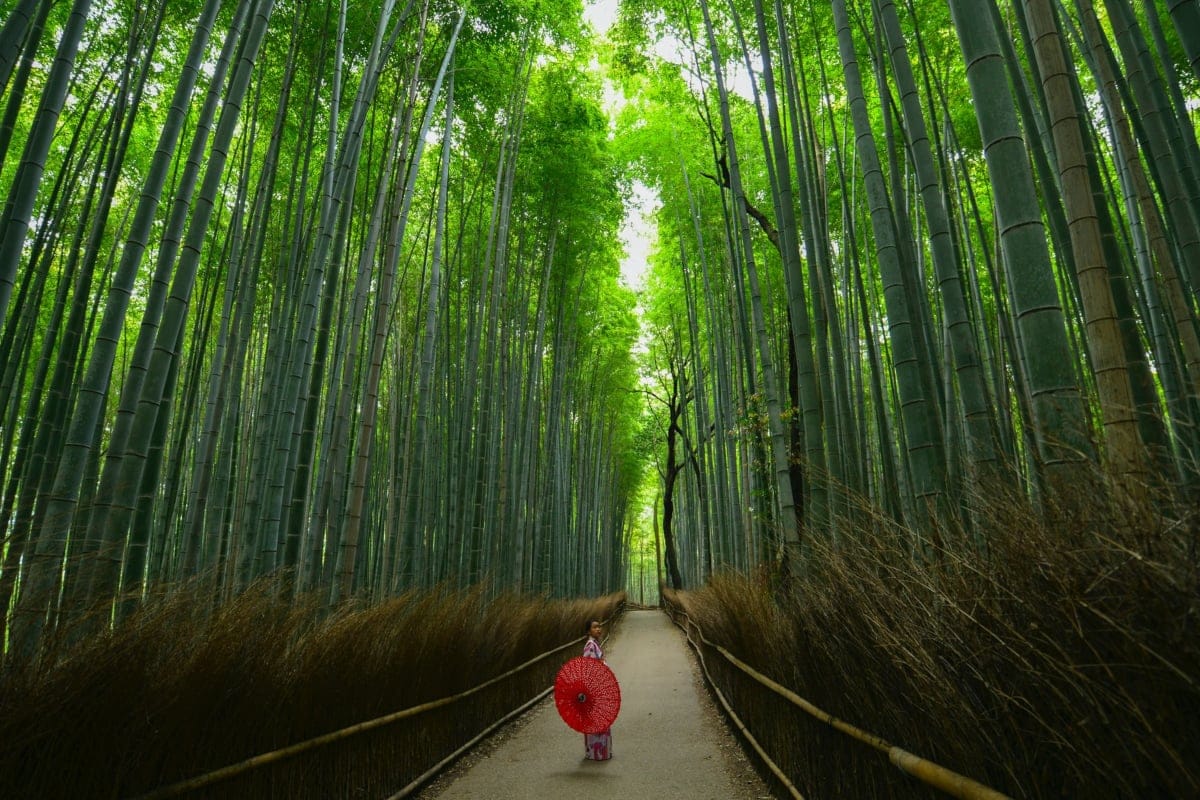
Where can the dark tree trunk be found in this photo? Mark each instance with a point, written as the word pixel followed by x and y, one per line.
pixel 672 472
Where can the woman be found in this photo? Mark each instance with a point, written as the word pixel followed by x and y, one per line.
pixel 596 746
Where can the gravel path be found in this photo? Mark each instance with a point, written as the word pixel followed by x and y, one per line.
pixel 668 742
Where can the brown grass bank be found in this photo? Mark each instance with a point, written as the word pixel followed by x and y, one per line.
pixel 1063 664
pixel 176 693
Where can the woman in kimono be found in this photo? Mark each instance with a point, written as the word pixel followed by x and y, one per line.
pixel 596 746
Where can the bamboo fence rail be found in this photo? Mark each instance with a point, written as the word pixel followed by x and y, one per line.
pixel 438 767
pixel 928 772
pixel 227 772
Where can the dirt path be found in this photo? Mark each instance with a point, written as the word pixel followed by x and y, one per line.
pixel 668 742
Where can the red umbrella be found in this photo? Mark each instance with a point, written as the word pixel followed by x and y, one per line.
pixel 587 695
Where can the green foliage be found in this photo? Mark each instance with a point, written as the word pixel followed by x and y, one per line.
pixel 525 89
pixel 567 167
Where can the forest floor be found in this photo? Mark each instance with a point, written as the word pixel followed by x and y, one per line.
pixel 669 741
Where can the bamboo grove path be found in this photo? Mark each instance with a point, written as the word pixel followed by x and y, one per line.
pixel 668 741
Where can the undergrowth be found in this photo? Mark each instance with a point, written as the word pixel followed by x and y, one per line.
pixel 1053 661
pixel 179 690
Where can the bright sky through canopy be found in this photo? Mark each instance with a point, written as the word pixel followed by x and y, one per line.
pixel 601 14
pixel 637 230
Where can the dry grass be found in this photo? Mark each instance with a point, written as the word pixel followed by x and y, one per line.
pixel 1064 663
pixel 178 691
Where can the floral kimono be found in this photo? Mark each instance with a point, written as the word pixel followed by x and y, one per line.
pixel 596 746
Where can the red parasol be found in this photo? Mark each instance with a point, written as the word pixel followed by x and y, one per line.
pixel 587 695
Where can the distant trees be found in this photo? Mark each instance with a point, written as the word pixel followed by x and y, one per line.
pixel 332 293
pixel 253 326
pixel 974 223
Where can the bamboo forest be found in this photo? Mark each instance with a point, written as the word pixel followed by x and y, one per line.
pixel 341 341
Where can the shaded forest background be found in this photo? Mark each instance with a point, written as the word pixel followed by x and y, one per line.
pixel 329 295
